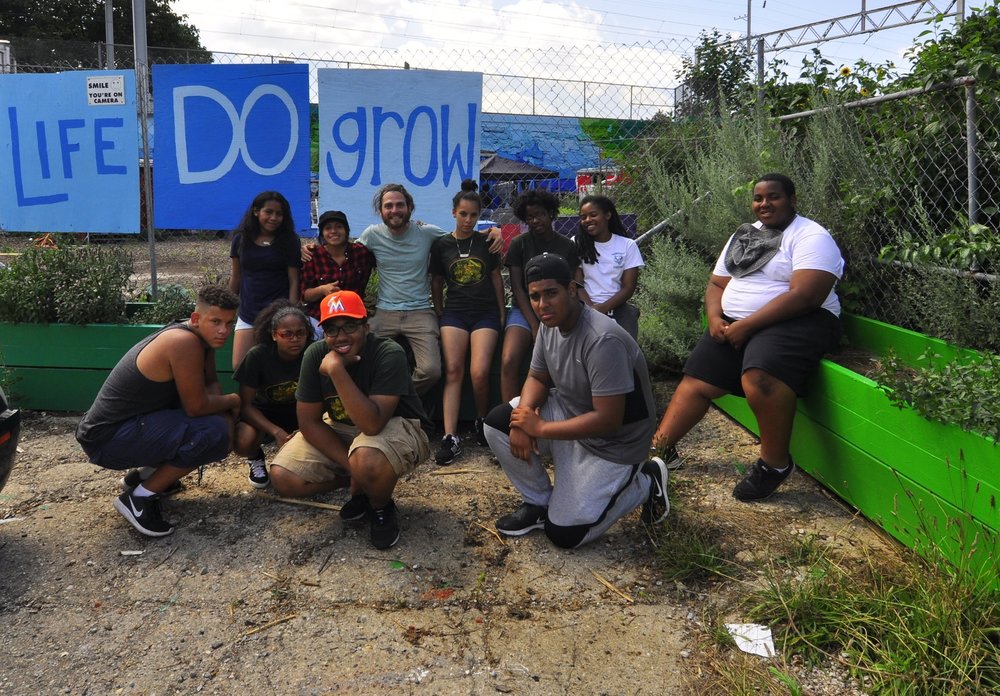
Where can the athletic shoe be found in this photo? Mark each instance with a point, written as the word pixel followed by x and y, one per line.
pixel 761 481
pixel 143 514
pixel 258 471
pixel 134 477
pixel 480 433
pixel 355 508
pixel 451 447
pixel 522 520
pixel 385 526
pixel 657 505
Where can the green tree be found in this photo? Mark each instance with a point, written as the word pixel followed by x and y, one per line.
pixel 718 74
pixel 60 34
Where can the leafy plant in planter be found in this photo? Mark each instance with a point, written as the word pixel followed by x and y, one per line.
pixel 173 303
pixel 962 393
pixel 75 284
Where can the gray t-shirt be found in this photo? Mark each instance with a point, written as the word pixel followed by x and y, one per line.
pixel 599 358
pixel 403 283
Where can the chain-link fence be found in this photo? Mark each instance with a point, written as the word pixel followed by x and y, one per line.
pixel 915 211
pixel 919 224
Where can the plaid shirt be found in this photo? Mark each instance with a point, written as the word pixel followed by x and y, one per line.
pixel 322 269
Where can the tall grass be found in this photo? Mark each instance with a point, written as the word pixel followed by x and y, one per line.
pixel 905 627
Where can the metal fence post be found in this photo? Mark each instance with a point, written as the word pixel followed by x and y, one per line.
pixel 972 159
pixel 142 97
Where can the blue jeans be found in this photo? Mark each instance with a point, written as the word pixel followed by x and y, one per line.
pixel 164 437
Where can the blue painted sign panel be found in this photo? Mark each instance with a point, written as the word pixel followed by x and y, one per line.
pixel 69 152
pixel 224 133
pixel 416 128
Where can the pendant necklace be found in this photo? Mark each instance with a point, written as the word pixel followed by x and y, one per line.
pixel 459 247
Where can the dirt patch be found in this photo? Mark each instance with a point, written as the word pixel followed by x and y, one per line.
pixel 253 593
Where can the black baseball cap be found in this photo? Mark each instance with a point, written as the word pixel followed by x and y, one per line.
pixel 334 216
pixel 548 267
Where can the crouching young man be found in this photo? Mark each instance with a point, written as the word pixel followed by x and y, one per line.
pixel 359 417
pixel 587 403
pixel 162 410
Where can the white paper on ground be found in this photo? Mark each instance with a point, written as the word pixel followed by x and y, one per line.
pixel 752 638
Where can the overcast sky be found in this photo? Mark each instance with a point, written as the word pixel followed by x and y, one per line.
pixel 316 27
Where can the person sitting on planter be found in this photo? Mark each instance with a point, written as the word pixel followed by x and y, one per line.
pixel 772 314
pixel 588 404
pixel 359 417
pixel 268 376
pixel 162 410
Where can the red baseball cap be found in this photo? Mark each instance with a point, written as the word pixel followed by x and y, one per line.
pixel 342 303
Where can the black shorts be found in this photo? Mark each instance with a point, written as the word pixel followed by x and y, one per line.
pixel 789 350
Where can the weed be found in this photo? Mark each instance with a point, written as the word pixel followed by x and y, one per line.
pixel 689 549
pixel 912 627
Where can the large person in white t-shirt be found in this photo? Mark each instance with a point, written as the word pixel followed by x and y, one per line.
pixel 772 314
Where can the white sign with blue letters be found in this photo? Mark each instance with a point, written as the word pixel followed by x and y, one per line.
pixel 416 128
pixel 224 134
pixel 69 153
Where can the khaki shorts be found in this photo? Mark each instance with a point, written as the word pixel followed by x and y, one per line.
pixel 401 441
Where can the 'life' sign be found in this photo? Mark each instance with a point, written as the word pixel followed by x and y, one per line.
pixel 69 153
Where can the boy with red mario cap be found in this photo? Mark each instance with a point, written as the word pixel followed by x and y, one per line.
pixel 359 417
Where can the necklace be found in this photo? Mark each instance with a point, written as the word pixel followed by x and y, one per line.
pixel 468 250
pixel 267 243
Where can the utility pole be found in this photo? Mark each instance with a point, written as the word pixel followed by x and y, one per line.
pixel 109 35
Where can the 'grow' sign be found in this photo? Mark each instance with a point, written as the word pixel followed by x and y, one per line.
pixel 224 133
pixel 416 128
pixel 69 152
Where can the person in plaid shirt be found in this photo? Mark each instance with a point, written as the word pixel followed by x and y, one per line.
pixel 337 264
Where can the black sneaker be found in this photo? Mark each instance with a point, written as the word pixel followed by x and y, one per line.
pixel 451 447
pixel 522 520
pixel 385 526
pixel 258 477
pixel 657 505
pixel 143 514
pixel 480 433
pixel 761 481
pixel 355 508
pixel 134 477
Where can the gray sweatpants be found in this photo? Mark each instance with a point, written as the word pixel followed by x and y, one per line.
pixel 589 492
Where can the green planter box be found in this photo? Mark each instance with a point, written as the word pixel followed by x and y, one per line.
pixel 61 367
pixel 927 484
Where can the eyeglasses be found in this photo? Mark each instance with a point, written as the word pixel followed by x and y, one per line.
pixel 331 330
pixel 288 334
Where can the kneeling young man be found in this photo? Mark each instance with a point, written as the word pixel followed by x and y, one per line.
pixel 359 416
pixel 163 400
pixel 588 404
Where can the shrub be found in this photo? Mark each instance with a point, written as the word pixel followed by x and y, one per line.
pixel 74 284
pixel 173 303
pixel 669 298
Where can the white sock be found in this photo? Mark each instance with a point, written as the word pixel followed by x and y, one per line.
pixel 141 491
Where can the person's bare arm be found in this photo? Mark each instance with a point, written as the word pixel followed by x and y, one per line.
pixel 293 284
pixel 249 413
pixel 437 293
pixel 605 418
pixel 497 281
pixel 180 355
pixel 713 307
pixel 807 290
pixel 581 290
pixel 317 293
pixel 534 394
pixel 369 413
pixel 319 434
pixel 521 298
pixel 234 276
pixel 494 236
pixel 630 280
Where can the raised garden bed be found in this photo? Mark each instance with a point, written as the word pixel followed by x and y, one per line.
pixel 927 484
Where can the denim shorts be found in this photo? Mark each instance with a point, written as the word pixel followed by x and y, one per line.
pixel 515 318
pixel 164 437
pixel 471 321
